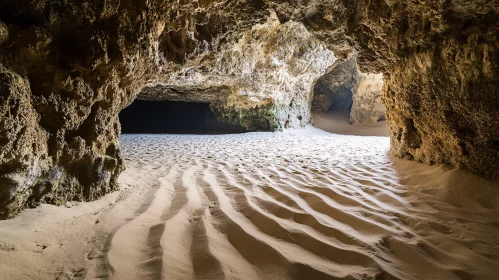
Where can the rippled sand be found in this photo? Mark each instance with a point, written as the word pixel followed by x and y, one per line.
pixel 295 205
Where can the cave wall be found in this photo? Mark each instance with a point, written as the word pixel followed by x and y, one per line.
pixel 68 68
pixel 262 81
pixel 439 63
pixel 345 88
pixel 442 95
pixel 334 90
pixel 367 104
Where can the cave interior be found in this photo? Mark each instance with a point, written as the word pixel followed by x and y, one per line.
pixel 342 102
pixel 86 189
pixel 173 117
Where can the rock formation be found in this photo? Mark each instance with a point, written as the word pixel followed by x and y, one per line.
pixel 262 81
pixel 69 67
pixel 345 88
pixel 442 87
pixel 367 106
pixel 335 89
pixel 437 58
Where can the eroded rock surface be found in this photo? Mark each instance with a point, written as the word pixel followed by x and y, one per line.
pixel 263 81
pixel 346 88
pixel 334 90
pixel 438 63
pixel 367 105
pixel 442 93
pixel 71 66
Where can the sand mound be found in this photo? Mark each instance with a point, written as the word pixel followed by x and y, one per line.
pixel 294 205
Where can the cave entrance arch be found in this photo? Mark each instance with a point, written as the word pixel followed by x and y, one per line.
pixel 333 92
pixel 347 101
pixel 173 117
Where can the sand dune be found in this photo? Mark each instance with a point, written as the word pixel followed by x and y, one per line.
pixel 294 205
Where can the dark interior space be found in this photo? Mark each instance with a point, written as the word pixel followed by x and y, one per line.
pixel 169 117
pixel 342 100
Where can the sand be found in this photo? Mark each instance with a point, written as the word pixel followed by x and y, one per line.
pixel 301 204
pixel 338 122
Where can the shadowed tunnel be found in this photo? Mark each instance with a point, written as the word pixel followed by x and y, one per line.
pixel 169 117
pixel 342 101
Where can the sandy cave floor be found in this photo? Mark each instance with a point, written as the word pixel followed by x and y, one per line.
pixel 303 204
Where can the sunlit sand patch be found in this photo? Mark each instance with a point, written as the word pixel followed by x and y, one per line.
pixel 302 204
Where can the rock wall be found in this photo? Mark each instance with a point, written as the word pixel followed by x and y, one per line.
pixel 69 67
pixel 437 58
pixel 335 89
pixel 367 105
pixel 262 81
pixel 442 94
pixel 344 88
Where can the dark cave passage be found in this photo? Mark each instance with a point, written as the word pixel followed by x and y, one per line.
pixel 342 101
pixel 169 117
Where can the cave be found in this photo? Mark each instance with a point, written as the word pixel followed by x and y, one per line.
pixel 173 117
pixel 342 102
pixel 345 100
pixel 180 139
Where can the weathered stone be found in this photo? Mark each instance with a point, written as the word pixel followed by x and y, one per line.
pixel 345 88
pixel 442 93
pixel 29 173
pixel 367 105
pixel 262 81
pixel 23 152
pixel 4 32
pixel 437 58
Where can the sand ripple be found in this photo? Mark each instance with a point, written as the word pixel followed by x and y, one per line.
pixel 293 206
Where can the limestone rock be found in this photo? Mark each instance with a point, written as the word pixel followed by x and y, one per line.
pixel 367 105
pixel 442 94
pixel 262 81
pixel 4 32
pixel 23 153
pixel 346 88
pixel 334 90
pixel 69 67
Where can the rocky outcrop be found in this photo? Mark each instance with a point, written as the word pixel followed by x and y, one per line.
pixel 367 105
pixel 345 88
pixel 442 93
pixel 69 67
pixel 438 63
pixel 4 32
pixel 37 165
pixel 335 90
pixel 262 81
pixel 74 65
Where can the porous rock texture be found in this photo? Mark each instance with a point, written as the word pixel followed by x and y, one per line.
pixel 367 106
pixel 442 92
pixel 346 88
pixel 262 81
pixel 334 90
pixel 69 67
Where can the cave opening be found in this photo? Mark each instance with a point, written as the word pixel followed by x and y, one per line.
pixel 172 117
pixel 341 102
